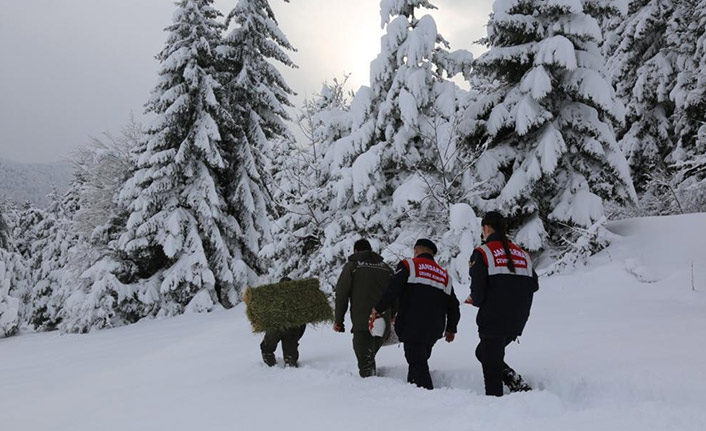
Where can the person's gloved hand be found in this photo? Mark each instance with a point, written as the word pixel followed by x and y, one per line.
pixel 450 336
pixel 338 327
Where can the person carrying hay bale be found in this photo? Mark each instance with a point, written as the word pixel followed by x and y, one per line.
pixel 290 345
pixel 289 337
pixel 363 279
pixel 282 311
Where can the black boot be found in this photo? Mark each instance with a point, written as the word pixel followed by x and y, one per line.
pixel 291 362
pixel 514 381
pixel 269 359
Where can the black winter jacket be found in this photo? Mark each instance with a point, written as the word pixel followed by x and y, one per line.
pixel 363 279
pixel 425 312
pixel 504 300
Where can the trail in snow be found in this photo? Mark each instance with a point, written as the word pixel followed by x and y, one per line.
pixel 605 350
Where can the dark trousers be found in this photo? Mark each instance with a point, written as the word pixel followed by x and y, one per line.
pixel 290 345
pixel 366 347
pixel 417 355
pixel 491 354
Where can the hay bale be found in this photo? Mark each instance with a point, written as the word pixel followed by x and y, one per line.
pixel 286 305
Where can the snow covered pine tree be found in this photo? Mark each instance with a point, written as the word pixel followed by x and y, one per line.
pixel 397 171
pixel 689 95
pixel 9 302
pixel 256 97
pixel 654 60
pixel 642 67
pixel 10 262
pixel 552 155
pixel 178 229
pixel 4 229
pixel 45 238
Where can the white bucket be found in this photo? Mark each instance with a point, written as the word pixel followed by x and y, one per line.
pixel 378 329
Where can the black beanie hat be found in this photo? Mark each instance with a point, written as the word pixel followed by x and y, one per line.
pixel 492 218
pixel 423 242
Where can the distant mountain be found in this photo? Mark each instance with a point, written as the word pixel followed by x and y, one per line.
pixel 21 182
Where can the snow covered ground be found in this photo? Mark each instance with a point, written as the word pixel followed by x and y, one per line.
pixel 618 345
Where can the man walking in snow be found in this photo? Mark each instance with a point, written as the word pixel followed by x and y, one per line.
pixel 428 309
pixel 290 343
pixel 502 288
pixel 362 281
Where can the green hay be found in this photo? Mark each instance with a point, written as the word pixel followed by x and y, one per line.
pixel 286 305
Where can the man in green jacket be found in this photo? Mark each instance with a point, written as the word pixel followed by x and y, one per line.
pixel 363 279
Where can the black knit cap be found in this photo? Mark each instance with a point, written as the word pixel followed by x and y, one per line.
pixel 492 218
pixel 423 242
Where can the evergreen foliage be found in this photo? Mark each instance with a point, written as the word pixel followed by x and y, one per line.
pixel 256 98
pixel 13 275
pixel 9 303
pixel 643 69
pixel 690 98
pixel 655 63
pixel 179 225
pixel 4 230
pixel 400 166
pixel 217 194
pixel 548 113
pixel 45 240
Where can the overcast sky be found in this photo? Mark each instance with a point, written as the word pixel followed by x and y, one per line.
pixel 70 69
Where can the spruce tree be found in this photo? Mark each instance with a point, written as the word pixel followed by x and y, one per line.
pixel 179 224
pixel 396 173
pixel 44 240
pixel 689 95
pixel 10 275
pixel 4 229
pixel 52 253
pixel 24 229
pixel 35 231
pixel 642 65
pixel 257 97
pixel 548 114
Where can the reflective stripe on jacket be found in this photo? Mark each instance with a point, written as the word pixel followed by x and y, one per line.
pixel 504 297
pixel 427 303
pixel 426 271
pixel 496 260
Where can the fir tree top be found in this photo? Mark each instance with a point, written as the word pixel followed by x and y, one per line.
pixel 254 81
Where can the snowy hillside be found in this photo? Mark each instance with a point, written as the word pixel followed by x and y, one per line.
pixel 617 345
pixel 22 182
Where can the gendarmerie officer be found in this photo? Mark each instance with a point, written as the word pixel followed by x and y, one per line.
pixel 502 289
pixel 428 309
